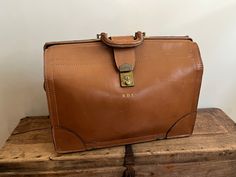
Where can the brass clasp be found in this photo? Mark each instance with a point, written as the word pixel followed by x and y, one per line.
pixel 126 75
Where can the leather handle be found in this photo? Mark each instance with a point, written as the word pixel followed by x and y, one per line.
pixel 138 39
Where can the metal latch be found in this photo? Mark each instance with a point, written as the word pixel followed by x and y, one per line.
pixel 126 75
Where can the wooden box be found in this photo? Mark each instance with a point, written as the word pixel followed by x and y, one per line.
pixel 209 152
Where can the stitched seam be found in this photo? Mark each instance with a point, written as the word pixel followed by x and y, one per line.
pixel 56 108
pixel 54 140
pixel 196 78
pixel 50 100
pixel 54 94
pixel 71 131
pixel 199 63
pixel 182 117
pixel 98 143
pixel 48 88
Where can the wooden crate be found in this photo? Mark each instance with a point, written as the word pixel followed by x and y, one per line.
pixel 209 152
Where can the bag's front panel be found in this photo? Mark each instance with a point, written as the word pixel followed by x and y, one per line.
pixel 91 104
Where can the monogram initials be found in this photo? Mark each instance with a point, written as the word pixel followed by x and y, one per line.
pixel 127 95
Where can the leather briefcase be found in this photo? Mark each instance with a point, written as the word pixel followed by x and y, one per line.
pixel 121 90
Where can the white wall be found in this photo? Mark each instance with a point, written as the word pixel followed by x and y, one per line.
pixel 26 25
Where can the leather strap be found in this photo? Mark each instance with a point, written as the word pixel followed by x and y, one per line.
pixel 124 56
pixel 124 49
pixel 134 41
pixel 129 161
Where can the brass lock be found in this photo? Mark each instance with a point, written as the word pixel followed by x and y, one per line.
pixel 127 79
pixel 126 75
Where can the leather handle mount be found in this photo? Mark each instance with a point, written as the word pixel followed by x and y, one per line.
pixel 136 40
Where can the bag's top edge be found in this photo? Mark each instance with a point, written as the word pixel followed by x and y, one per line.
pixel 48 44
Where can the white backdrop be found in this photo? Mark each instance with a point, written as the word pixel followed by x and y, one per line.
pixel 26 25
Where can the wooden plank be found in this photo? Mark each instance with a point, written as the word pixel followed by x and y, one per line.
pixel 203 169
pixel 29 150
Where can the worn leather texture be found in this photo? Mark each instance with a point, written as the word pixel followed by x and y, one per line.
pixel 89 108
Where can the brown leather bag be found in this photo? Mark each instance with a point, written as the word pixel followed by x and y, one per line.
pixel 120 90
